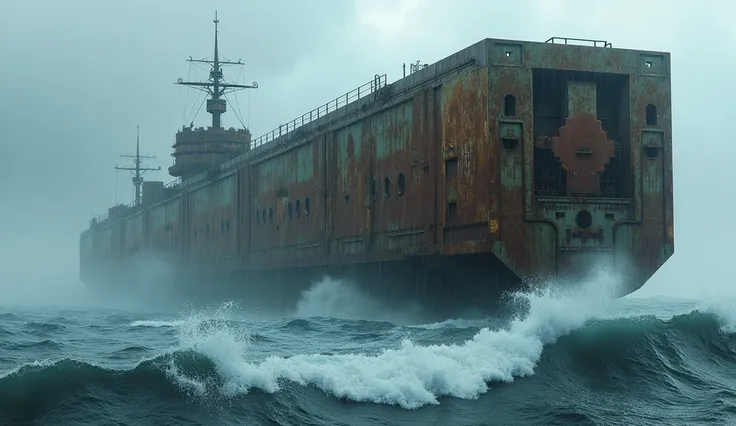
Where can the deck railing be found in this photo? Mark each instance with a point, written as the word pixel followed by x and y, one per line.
pixel 366 89
pixel 378 82
pixel 588 41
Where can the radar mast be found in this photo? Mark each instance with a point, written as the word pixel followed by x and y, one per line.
pixel 216 86
pixel 137 170
pixel 200 149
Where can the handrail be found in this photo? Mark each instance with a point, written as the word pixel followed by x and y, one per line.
pixel 378 82
pixel 566 40
pixel 173 183
pixel 372 86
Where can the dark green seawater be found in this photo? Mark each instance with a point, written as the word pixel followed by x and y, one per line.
pixel 570 359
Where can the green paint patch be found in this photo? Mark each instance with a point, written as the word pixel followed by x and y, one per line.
pixel 652 179
pixel 511 171
pixel 392 129
pixel 305 163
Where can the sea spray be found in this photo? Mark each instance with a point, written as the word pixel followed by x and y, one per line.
pixel 412 375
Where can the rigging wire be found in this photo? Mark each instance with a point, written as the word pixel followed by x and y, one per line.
pixel 235 112
pixel 237 100
pixel 117 190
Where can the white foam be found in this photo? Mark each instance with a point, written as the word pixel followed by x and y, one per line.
pixel 411 375
pixel 156 323
pixel 723 308
pixel 453 323
pixel 35 363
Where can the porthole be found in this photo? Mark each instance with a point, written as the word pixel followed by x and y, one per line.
pixel 386 187
pixel 307 207
pixel 401 184
pixel 298 208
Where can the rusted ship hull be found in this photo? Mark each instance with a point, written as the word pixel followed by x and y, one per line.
pixel 507 161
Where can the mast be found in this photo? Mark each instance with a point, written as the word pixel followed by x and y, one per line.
pixel 216 86
pixel 137 170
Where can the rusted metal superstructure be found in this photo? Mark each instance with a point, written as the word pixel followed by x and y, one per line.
pixel 505 161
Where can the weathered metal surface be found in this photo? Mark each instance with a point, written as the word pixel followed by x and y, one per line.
pixel 648 241
pixel 548 157
pixel 464 154
pixel 510 107
pixel 134 233
pixel 353 155
pixel 200 149
pixel 287 210
pixel 165 228
pixel 212 222
pixel 584 149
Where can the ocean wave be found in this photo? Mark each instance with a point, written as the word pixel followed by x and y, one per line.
pixel 571 339
pixel 409 376
pixel 25 346
pixel 44 327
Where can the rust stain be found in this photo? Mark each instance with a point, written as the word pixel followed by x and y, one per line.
pixel 474 160
pixel 465 143
pixel 584 149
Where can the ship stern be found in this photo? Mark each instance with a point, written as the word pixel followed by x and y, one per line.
pixel 584 143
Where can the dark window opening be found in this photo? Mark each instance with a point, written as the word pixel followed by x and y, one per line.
pixel 374 189
pixel 307 207
pixel 263 216
pixel 270 215
pixel 258 217
pixel 450 168
pixel 510 144
pixel 509 105
pixel 651 115
pixel 451 218
pixel 288 209
pixel 401 184
pixel 227 225
pixel 298 208
pixel 386 187
pixel 347 200
pixel 550 109
pixel 652 152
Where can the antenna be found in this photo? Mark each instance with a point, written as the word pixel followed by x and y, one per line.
pixel 216 86
pixel 137 170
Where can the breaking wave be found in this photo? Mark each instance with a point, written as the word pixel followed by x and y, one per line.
pixel 567 335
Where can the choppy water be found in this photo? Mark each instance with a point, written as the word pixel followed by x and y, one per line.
pixel 579 358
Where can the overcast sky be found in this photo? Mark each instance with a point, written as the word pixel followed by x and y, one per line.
pixel 77 77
